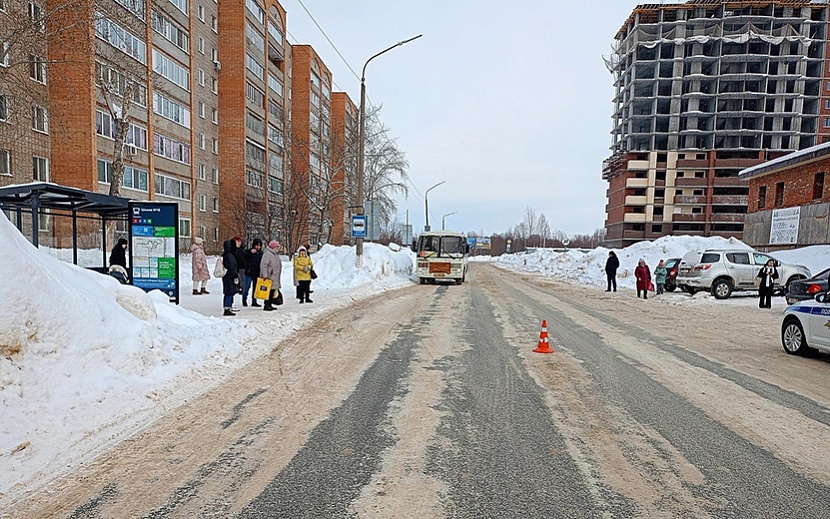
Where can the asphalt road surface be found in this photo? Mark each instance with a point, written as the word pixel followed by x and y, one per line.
pixel 429 402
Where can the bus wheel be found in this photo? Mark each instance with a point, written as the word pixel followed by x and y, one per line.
pixel 422 281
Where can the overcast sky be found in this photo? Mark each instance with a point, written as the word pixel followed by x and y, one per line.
pixel 508 102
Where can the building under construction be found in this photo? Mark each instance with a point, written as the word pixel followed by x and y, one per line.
pixel 705 88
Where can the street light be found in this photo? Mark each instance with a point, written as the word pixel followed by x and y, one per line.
pixel 444 220
pixel 426 205
pixel 361 138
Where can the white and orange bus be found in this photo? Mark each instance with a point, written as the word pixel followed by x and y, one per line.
pixel 442 255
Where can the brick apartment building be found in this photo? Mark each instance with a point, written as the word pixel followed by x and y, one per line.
pixel 705 89
pixel 210 116
pixel 344 131
pixel 789 200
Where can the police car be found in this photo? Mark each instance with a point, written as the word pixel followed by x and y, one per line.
pixel 807 326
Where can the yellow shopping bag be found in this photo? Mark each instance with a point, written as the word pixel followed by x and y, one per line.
pixel 263 288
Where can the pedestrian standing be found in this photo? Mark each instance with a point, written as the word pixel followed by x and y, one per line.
pixel 230 281
pixel 240 264
pixel 302 273
pixel 271 268
pixel 611 266
pixel 643 275
pixel 199 267
pixel 118 255
pixel 767 276
pixel 660 274
pixel 252 258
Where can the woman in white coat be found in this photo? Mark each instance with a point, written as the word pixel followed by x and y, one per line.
pixel 201 273
pixel 271 268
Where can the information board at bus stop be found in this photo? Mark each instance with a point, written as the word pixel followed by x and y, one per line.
pixel 154 247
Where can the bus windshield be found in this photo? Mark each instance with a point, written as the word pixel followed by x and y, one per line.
pixel 442 246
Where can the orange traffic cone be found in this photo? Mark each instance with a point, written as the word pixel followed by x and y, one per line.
pixel 544 344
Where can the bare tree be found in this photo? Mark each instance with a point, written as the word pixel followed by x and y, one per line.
pixel 385 168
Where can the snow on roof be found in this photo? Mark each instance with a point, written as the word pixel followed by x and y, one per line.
pixel 797 157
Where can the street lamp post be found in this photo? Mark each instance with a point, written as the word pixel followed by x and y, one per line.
pixel 361 138
pixel 444 220
pixel 426 205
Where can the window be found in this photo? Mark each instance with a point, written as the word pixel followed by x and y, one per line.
pixel 275 32
pixel 201 109
pixel 181 5
pixel 214 116
pixel 255 10
pixel 170 109
pixel 4 53
pixel 171 70
pixel 215 175
pixel 762 197
pixel 172 149
pixel 275 135
pixel 2 5
pixel 818 186
pixel 254 179
pixel 275 85
pixel 826 122
pixel 738 258
pixel 36 15
pixel 201 77
pixel 44 221
pixel 118 82
pixel 169 30
pixel 201 141
pixel 215 146
pixel 255 124
pixel 275 185
pixel 254 155
pixel 779 194
pixel 184 227
pixel 275 111
pixel 215 205
pixel 105 127
pixel 202 170
pixel 40 169
pixel 214 86
pixel 214 24
pixel 4 109
pixel 201 14
pixel 254 38
pixel 202 203
pixel 315 79
pixel 5 163
pixel 134 178
pixel 827 104
pixel 40 119
pixel 172 187
pixel 120 38
pixel 201 45
pixel 255 95
pixel 275 164
pixel 37 69
pixel 254 66
pixel 216 233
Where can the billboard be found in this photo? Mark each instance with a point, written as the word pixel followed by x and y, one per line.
pixel 784 226
pixel 483 243
pixel 154 246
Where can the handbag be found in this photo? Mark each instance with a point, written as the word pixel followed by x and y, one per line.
pixel 650 286
pixel 219 270
pixel 278 300
pixel 263 288
pixel 313 274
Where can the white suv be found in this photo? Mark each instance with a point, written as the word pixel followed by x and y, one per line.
pixel 722 271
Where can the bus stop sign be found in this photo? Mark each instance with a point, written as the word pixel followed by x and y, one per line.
pixel 358 226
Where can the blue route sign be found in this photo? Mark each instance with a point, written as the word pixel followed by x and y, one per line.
pixel 154 247
pixel 358 226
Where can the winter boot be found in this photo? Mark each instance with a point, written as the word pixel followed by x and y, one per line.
pixel 196 292
pixel 307 300
pixel 244 302
pixel 254 303
pixel 228 311
pixel 268 307
pixel 204 291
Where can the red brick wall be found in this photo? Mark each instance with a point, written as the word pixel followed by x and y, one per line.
pixel 798 186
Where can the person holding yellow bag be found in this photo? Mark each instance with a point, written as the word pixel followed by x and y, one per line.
pixel 271 268
pixel 302 274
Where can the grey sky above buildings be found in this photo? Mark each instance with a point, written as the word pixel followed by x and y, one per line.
pixel 508 102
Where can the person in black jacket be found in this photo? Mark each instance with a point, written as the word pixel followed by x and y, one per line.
pixel 611 266
pixel 230 281
pixel 118 256
pixel 767 276
pixel 252 258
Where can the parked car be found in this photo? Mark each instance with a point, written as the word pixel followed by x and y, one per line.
pixel 671 265
pixel 723 271
pixel 804 289
pixel 805 326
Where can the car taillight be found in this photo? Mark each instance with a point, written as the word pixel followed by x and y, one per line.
pixel 813 289
pixel 707 266
pixel 673 272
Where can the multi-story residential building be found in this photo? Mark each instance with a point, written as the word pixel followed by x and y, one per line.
pixel 310 164
pixel 703 90
pixel 256 99
pixel 344 142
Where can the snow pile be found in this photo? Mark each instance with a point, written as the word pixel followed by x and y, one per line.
pixel 382 266
pixel 588 267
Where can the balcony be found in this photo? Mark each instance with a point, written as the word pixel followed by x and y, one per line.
pixel 629 234
pixel 737 163
pixel 688 217
pixel 730 182
pixel 636 200
pixel 689 200
pixel 634 217
pixel 728 217
pixel 636 182
pixel 741 200
pixel 637 165
pixel 692 163
pixel 690 182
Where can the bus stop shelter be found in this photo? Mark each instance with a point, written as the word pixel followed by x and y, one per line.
pixel 37 198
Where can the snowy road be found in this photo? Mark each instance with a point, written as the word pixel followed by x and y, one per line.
pixel 428 402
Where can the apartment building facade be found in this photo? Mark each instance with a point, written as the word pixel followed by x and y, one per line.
pixel 705 89
pixel 344 138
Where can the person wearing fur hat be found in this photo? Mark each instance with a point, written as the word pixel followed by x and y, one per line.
pixel 643 275
pixel 302 274
pixel 251 258
pixel 271 268
pixel 199 267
